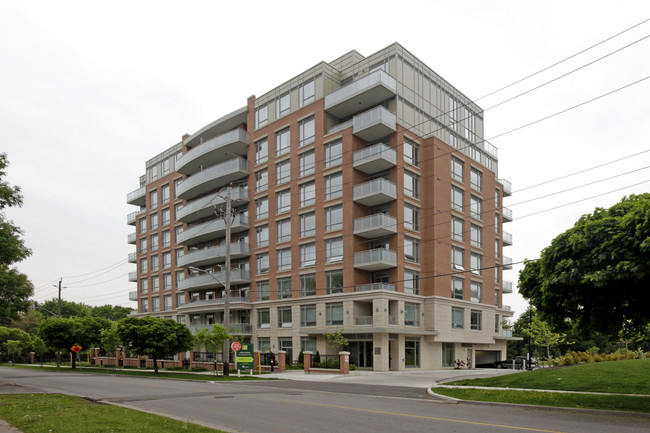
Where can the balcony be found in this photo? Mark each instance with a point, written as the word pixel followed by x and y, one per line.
pixel 375 158
pixel 507 187
pixel 204 207
pixel 375 192
pixel 507 287
pixel 375 260
pixel 131 218
pixel 213 151
pixel 133 296
pixel 235 328
pixel 507 239
pixel 137 197
pixel 507 262
pixel 374 124
pixel 361 94
pixel 211 230
pixel 375 226
pixel 215 280
pixel 131 238
pixel 212 178
pixel 507 215
pixel 374 286
pixel 209 256
pixel 363 321
pixel 132 257
pixel 133 277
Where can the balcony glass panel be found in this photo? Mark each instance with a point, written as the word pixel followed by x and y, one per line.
pixel 212 178
pixel 137 197
pixel 372 260
pixel 375 158
pixel 374 226
pixel 214 151
pixel 211 230
pixel 204 206
pixel 361 94
pixel 208 256
pixel 375 192
pixel 374 124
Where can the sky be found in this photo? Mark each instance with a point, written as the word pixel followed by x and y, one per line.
pixel 89 91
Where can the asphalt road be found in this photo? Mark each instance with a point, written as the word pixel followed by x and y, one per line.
pixel 312 406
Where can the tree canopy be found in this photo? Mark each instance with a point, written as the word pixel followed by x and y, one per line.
pixel 15 288
pixel 596 275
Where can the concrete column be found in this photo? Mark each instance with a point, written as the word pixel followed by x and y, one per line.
pixel 380 361
pixel 306 359
pixel 282 360
pixel 344 362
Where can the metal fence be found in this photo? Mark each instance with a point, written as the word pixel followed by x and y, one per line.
pixel 327 361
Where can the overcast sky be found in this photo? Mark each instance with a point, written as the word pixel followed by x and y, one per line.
pixel 89 91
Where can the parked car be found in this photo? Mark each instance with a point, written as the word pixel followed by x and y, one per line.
pixel 518 362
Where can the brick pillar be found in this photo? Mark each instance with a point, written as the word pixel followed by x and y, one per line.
pixel 32 358
pixel 306 359
pixel 256 360
pixel 282 360
pixel 117 357
pixel 344 358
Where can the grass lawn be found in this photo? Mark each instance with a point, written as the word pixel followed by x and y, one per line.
pixel 43 413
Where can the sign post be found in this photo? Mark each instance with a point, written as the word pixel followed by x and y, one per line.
pixel 245 356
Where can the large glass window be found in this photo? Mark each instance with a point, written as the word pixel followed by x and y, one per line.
pixel 333 186
pixel 155 283
pixel 475 291
pixel 476 263
pixel 284 317
pixel 263 291
pixel 283 201
pixel 457 169
pixel 262 263
pixel 143 245
pixel 457 288
pixel 476 207
pixel 282 172
pixel 164 192
pixel 307 224
pixel 334 314
pixel 470 125
pixel 307 163
pixel 476 179
pixel 306 93
pixel 411 184
pixel 282 142
pixel 261 116
pixel 308 285
pixel 263 318
pixel 307 194
pixel 153 199
pixel 307 315
pixel 283 231
pixel 453 112
pixel 457 199
pixel 411 152
pixel 166 217
pixel 448 354
pixel 262 235
pixel 154 221
pixel 261 151
pixel 167 260
pixel 477 235
pixel 457 229
pixel 262 208
pixel 261 180
pixel 411 352
pixel 154 263
pixel 334 281
pixel 333 153
pixel 476 320
pixel 458 258
pixel 333 218
pixel 166 238
pixel 411 217
pixel 411 282
pixel 333 250
pixel 457 318
pixel 143 266
pixel 144 285
pixel 284 259
pixel 283 105
pixel 143 225
pixel 411 314
pixel 411 249
pixel 284 288
pixel 307 131
pixel 307 255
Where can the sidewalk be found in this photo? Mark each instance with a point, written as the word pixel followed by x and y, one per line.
pixel 6 428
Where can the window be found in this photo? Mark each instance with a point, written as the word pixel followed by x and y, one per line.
pixel 496 323
pixel 261 116
pixel 458 258
pixel 496 198
pixel 333 250
pixel 457 169
pixel 411 152
pixel 476 208
pixel 262 263
pixel 154 263
pixel 144 305
pixel 262 208
pixel 180 276
pixel 307 194
pixel 264 344
pixel 497 276
pixel 453 141
pixel 307 224
pixel 470 125
pixel 453 112
pixel 306 93
pixel 168 302
pixel 307 255
pixel 307 162
pixel 143 225
pixel 457 288
pixel 457 318
pixel 261 151
pixel 261 180
pixel 167 260
pixel 153 199
pixel 262 235
pixel 284 317
pixel 284 259
pixel 283 105
pixel 143 245
pixel 411 184
pixel 180 300
pixel 476 319
pixel 448 355
pixel 155 283
pixel 282 142
pixel 164 192
pixel 283 231
pixel 308 285
pixel 411 282
pixel 476 263
pixel 474 153
pixel 177 183
pixel 143 266
pixel 496 223
pixel 411 352
pixel 457 229
pixel 457 199
pixel 166 239
pixel 475 291
pixel 333 153
pixel 333 186
pixel 283 201
pixel 476 179
pixel 154 221
pixel 166 218
pixel 284 288
pixel 144 285
pixel 307 315
pixel 333 218
pixel 411 314
pixel 411 249
pixel 306 131
pixel 263 291
pixel 496 297
pixel 334 314
pixel 476 235
pixel 282 172
pixel 334 282
pixel 263 318
pixel 411 217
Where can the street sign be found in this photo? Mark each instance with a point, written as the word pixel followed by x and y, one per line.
pixel 245 357
pixel 76 348
pixel 236 346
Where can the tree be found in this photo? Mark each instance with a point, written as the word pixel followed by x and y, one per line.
pixel 68 308
pixel 110 340
pixel 14 341
pixel 335 340
pixel 15 288
pixel 213 339
pixel 111 312
pixel 39 347
pixel 154 337
pixel 595 276
pixel 542 335
pixel 59 333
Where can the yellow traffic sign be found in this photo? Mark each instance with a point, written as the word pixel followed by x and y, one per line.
pixel 76 348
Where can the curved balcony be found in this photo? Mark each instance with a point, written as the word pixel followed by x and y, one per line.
pixel 375 226
pixel 375 192
pixel 214 151
pixel 375 260
pixel 215 280
pixel 374 124
pixel 209 256
pixel 137 197
pixel 211 230
pixel 361 94
pixel 212 178
pixel 375 158
pixel 204 207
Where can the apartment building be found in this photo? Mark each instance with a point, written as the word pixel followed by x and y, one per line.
pixel 364 200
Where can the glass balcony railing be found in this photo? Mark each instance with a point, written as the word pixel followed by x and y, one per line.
pixel 204 206
pixel 375 158
pixel 211 230
pixel 507 214
pixel 361 94
pixel 137 197
pixel 209 256
pixel 212 178
pixel 374 286
pixel 213 151
pixel 507 239
pixel 373 124
pixel 377 259
pixel 374 226
pixel 376 192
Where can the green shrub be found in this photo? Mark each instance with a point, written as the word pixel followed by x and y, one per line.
pixel 198 368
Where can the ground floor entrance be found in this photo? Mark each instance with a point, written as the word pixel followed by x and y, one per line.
pixel 361 353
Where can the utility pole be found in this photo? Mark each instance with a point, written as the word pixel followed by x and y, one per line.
pixel 59 304
pixel 226 305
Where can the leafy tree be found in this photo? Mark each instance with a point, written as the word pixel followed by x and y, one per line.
pixel 15 288
pixel 111 312
pixel 13 348
pixel 39 347
pixel 22 338
pixel 28 322
pixel 154 337
pixel 595 276
pixel 213 339
pixel 68 308
pixel 542 335
pixel 110 340
pixel 60 334
pixel 335 340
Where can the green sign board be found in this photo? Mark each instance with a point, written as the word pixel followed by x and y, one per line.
pixel 245 357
